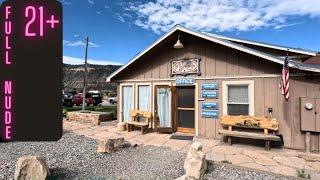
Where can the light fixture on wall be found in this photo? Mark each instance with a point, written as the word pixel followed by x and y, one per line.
pixel 178 44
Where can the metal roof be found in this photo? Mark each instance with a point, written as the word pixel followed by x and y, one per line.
pixel 218 40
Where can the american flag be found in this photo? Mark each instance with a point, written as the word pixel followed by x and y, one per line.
pixel 285 78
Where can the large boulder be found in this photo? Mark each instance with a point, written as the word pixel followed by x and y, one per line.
pixel 31 168
pixel 110 145
pixel 195 164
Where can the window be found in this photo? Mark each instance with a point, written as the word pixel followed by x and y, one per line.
pixel 238 98
pixel 127 102
pixel 144 97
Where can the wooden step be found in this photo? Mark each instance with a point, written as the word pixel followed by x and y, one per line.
pixel 250 135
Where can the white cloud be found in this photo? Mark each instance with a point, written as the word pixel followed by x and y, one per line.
pixel 77 61
pixel 99 12
pixel 120 18
pixel 91 1
pixel 222 15
pixel 79 43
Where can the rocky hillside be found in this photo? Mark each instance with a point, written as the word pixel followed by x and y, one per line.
pixel 73 76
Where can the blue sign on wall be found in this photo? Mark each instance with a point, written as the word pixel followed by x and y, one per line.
pixel 210 113
pixel 210 94
pixel 209 86
pixel 209 105
pixel 184 81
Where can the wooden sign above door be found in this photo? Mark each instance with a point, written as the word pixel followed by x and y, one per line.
pixel 185 67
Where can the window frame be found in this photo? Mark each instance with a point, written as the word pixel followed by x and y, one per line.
pixel 137 95
pixel 249 83
pixel 120 98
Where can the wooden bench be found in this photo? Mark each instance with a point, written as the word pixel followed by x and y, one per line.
pixel 247 122
pixel 137 118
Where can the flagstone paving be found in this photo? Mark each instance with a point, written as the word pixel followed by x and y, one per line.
pixel 280 161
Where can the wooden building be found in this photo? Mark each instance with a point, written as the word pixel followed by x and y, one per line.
pixel 188 88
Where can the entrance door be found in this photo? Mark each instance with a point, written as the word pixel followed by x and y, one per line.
pixel 162 109
pixel 185 109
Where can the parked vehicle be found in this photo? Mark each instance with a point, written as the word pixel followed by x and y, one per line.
pixel 77 99
pixel 113 100
pixel 97 97
pixel 67 99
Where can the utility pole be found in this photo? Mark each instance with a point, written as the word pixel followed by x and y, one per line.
pixel 85 75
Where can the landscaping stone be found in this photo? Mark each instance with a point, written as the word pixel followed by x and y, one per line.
pixel 195 164
pixel 121 127
pixel 284 170
pixel 110 145
pixel 238 159
pixel 314 165
pixel 309 156
pixel 255 166
pixel 260 158
pixel 89 117
pixel 212 156
pixel 31 168
pixel 291 161
pixel 226 150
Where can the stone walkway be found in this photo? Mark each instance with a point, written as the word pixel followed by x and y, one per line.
pixel 280 161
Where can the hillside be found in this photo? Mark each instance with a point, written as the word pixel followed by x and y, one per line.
pixel 73 76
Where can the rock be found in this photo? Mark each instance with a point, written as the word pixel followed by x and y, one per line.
pixel 226 150
pixel 182 178
pixel 238 159
pixel 255 166
pixel 212 156
pixel 294 162
pixel 110 145
pixel 314 165
pixel 309 156
pixel 121 127
pixel 283 170
pixel 195 164
pixel 31 168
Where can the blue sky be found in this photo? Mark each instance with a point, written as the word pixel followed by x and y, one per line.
pixel 119 29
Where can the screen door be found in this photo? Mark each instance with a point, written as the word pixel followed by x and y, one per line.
pixel 185 109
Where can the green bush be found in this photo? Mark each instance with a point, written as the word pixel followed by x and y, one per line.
pixel 302 174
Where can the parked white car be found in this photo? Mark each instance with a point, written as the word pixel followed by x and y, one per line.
pixel 113 100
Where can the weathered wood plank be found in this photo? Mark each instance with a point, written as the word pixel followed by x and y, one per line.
pixel 298 89
pixel 284 117
pixel 250 122
pixel 201 121
pixel 258 98
pixel 232 62
pixel 210 62
pixel 244 64
pixel 250 135
pixel 270 96
pixel 221 64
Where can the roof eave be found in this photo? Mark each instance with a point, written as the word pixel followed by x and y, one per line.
pixel 283 48
pixel 210 38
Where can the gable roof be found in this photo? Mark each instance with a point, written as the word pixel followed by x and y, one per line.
pixel 267 45
pixel 221 41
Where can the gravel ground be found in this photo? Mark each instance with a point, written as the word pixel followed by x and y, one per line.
pixel 224 172
pixel 75 157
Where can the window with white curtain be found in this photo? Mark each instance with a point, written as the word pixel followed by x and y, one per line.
pixel 144 97
pixel 127 102
pixel 238 98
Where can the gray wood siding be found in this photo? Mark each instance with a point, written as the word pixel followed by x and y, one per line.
pixel 217 60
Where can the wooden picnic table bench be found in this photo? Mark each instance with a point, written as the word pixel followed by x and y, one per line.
pixel 250 123
pixel 139 119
